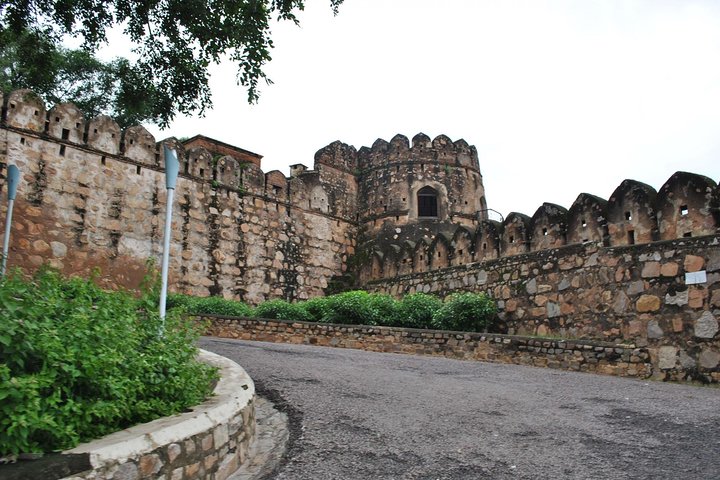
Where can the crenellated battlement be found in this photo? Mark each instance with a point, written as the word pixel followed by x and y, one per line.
pixel 687 205
pixel 202 159
pixel 442 150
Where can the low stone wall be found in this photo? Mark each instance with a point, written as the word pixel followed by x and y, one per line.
pixel 208 443
pixel 578 355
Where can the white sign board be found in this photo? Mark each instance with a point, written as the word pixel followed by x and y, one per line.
pixel 693 278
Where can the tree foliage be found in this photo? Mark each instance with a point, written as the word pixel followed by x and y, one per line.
pixel 175 42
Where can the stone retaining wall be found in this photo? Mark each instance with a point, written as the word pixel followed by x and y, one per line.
pixel 579 355
pixel 662 295
pixel 208 443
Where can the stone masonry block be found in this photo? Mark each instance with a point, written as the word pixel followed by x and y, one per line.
pixel 706 326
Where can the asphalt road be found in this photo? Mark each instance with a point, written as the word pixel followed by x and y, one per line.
pixel 361 415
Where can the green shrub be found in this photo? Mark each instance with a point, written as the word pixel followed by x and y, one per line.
pixel 316 309
pixel 350 307
pixel 417 309
pixel 77 362
pixel 384 309
pixel 178 300
pixel 212 306
pixel 359 307
pixel 466 312
pixel 281 310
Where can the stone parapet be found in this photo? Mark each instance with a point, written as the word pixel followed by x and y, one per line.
pixel 578 355
pixel 208 443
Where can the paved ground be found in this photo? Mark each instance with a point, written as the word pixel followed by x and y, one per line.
pixel 360 415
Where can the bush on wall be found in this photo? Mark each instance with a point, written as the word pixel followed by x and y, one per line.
pixel 281 309
pixel 417 310
pixel 77 362
pixel 465 312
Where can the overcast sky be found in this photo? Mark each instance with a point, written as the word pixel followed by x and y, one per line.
pixel 559 97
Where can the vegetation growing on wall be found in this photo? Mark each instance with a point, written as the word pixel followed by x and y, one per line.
pixel 472 312
pixel 77 362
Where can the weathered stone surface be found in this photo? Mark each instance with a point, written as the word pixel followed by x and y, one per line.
pixel 709 359
pixel 127 471
pixel 693 263
pixel 531 287
pixel 150 465
pixel 635 287
pixel 173 451
pixel 669 269
pixel 621 303
pixel 686 361
pixel 706 326
pixel 696 297
pixel 667 357
pixel 653 330
pixel 678 298
pixel 647 303
pixel 58 249
pixel 651 269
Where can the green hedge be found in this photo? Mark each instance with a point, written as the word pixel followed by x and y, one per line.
pixel 77 362
pixel 465 312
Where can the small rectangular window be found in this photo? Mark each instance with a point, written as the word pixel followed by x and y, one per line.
pixel 687 234
pixel 628 216
pixel 138 169
pixel 202 172
pixel 65 133
pixel 683 210
pixel 545 232
pixel 631 237
pixel 584 223
pixel 484 246
pixel 62 150
pixel 102 160
pixel 512 239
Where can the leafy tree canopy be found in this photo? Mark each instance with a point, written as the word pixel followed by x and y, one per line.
pixel 175 42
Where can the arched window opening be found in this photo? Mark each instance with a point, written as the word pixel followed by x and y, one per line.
pixel 427 202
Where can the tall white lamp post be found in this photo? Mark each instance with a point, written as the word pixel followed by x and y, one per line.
pixel 13 177
pixel 172 166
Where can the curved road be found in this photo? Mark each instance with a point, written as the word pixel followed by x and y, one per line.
pixel 362 415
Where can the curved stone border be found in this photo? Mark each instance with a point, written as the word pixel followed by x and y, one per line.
pixel 210 442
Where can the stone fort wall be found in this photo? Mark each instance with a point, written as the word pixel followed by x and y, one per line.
pixel 92 195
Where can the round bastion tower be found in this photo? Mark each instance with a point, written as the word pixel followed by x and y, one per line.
pixel 412 192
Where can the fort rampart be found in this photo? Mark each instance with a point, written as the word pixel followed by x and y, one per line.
pixel 92 196
pixel 398 217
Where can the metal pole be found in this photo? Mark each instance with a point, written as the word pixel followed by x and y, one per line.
pixel 166 252
pixel 13 177
pixel 172 166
